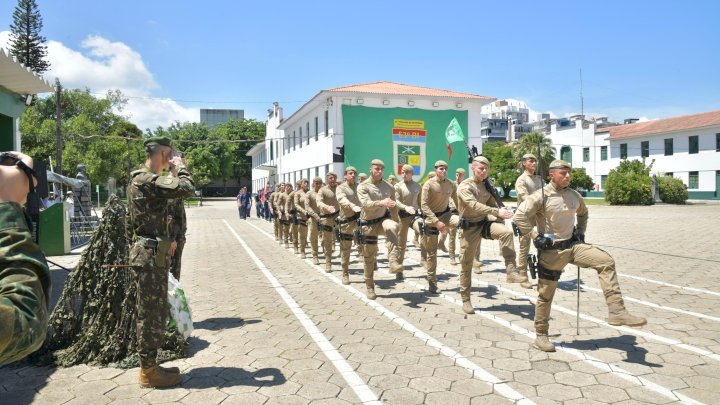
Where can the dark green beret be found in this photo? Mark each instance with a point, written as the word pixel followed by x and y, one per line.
pixel 158 140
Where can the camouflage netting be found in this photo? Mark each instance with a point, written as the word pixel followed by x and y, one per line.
pixel 94 320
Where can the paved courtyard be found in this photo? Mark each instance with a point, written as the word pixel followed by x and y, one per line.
pixel 271 328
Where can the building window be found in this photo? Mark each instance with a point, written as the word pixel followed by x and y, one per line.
pixel 566 154
pixel 272 144
pixel 645 148
pixel 327 123
pixel 717 142
pixel 603 179
pixel 623 151
pixel 317 168
pixel 603 153
pixel 586 154
pixel 316 128
pixel 294 142
pixel 668 147
pixel 300 139
pixel 693 144
pixel 693 180
pixel 307 131
pixel 669 174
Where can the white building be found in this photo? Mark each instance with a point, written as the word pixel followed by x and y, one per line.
pixel 312 141
pixel 687 147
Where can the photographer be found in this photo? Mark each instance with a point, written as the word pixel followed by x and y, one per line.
pixel 24 274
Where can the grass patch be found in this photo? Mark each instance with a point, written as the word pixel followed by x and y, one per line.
pixel 596 201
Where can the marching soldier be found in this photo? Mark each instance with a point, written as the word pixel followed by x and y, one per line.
pixel 276 211
pixel 525 185
pixel 453 231
pixel 301 216
pixel 349 213
pixel 284 215
pixel 361 177
pixel 313 212
pixel 329 210
pixel 563 215
pixel 148 195
pixel 377 199
pixel 437 205
pixel 292 216
pixel 392 180
pixel 417 225
pixel 476 207
pixel 407 195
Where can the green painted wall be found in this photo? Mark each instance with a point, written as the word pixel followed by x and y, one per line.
pixel 400 136
pixel 11 107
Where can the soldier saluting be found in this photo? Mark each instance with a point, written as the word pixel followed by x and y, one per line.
pixel 564 217
pixel 148 195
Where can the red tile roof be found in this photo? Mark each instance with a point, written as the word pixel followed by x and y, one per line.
pixel 673 124
pixel 404 89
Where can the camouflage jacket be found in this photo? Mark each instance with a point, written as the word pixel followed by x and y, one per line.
pixel 148 196
pixel 24 287
pixel 178 220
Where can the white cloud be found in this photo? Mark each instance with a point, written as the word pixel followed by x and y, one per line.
pixel 103 65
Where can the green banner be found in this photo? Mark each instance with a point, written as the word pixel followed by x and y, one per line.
pixel 400 136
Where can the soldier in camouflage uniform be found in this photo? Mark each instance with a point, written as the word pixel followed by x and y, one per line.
pixel 178 229
pixel 24 273
pixel 148 195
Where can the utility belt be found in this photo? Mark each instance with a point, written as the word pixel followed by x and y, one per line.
pixel 343 221
pixel 376 220
pixel 484 226
pixel 333 215
pixel 404 214
pixel 566 244
pixel 362 239
pixel 536 269
pixel 325 228
pixel 439 214
pixel 160 246
pixel 342 236
pixel 300 222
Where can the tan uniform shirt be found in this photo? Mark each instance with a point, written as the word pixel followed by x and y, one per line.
pixel 311 206
pixel 527 184
pixel 290 202
pixel 476 203
pixel 370 193
pixel 280 201
pixel 407 194
pixel 436 197
pixel 347 198
pixel 299 203
pixel 562 206
pixel 326 198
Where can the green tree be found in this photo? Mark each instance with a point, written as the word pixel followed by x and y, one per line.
pixel 93 134
pixel 629 184
pixel 672 190
pixel 529 144
pixel 503 166
pixel 26 42
pixel 243 134
pixel 580 180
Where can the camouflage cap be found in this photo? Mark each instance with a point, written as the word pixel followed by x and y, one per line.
pixel 481 159
pixel 330 173
pixel 440 163
pixel 528 156
pixel 559 164
pixel 317 179
pixel 408 168
pixel 347 169
pixel 377 162
pixel 158 140
pixel 460 170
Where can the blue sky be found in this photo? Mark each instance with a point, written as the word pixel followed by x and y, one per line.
pixel 639 58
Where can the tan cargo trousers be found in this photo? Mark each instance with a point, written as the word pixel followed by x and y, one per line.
pixel 430 242
pixel 390 229
pixel 583 255
pixel 470 245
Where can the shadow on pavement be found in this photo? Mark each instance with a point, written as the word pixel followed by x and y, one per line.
pixel 223 323
pixel 195 344
pixel 413 299
pixel 525 310
pixel 627 343
pixel 570 285
pixel 204 377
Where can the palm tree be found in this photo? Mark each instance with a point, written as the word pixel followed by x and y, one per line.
pixel 529 144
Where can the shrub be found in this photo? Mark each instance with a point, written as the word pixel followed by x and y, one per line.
pixel 629 184
pixel 672 190
pixel 580 180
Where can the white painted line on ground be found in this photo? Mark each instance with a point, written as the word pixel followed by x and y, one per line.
pixel 363 392
pixel 658 306
pixel 620 372
pixel 647 280
pixel 476 371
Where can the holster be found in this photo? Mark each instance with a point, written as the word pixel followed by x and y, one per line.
pixel 162 252
pixel 516 230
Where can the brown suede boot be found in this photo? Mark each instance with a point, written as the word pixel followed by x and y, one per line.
pixel 345 277
pixel 156 377
pixel 396 268
pixel 468 307
pixel 513 276
pixel 543 343
pixel 370 286
pixel 316 261
pixel 172 370
pixel 619 316
pixel 452 260
pixel 433 287
pixel 477 267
